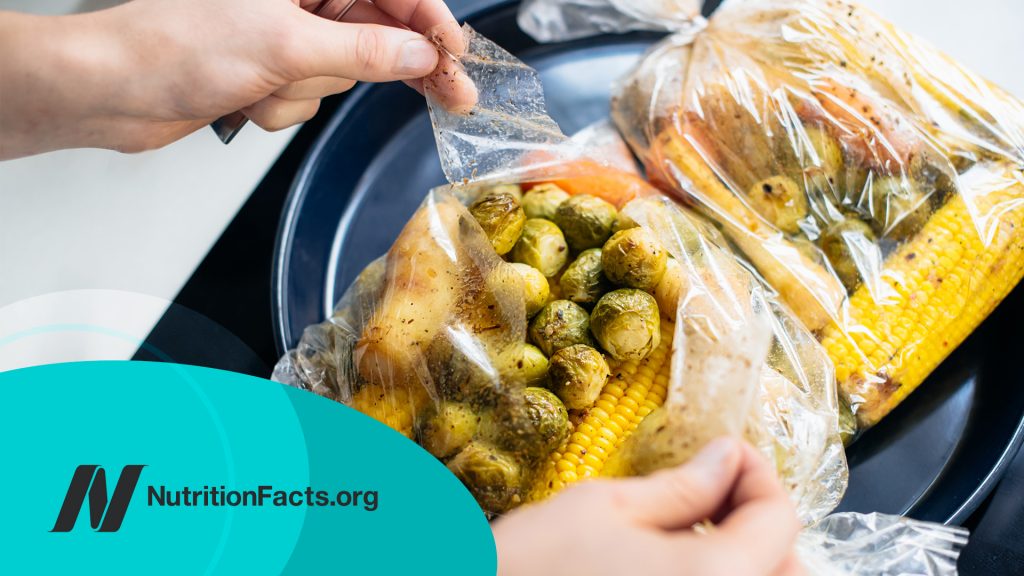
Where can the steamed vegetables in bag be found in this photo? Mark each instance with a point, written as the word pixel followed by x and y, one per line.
pixel 873 182
pixel 524 324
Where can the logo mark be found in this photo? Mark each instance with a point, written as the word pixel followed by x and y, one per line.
pixel 104 515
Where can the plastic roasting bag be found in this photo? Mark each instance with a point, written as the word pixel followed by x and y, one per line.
pixel 875 183
pixel 436 338
pixel 751 120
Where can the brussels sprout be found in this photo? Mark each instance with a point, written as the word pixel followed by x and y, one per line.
pixel 898 208
pixel 634 258
pixel 930 171
pixel 827 149
pixel 543 200
pixel 559 324
pixel 502 219
pixel 583 282
pixel 781 201
pixel 469 371
pixel 837 243
pixel 447 428
pixel 586 221
pixel 535 288
pixel 624 222
pixel 548 417
pixel 578 373
pixel 533 366
pixel 627 324
pixel 531 427
pixel 514 189
pixel 491 475
pixel 542 246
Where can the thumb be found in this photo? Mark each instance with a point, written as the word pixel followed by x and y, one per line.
pixel 365 52
pixel 682 496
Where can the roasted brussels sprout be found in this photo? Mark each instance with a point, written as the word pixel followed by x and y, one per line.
pixel 542 246
pixel 578 373
pixel 543 201
pixel 634 258
pixel 937 174
pixel 447 428
pixel 532 366
pixel 827 149
pixel 460 376
pixel 535 288
pixel 837 243
pixel 559 324
pixel 514 189
pixel 898 207
pixel 586 221
pixel 781 201
pixel 531 427
pixel 549 418
pixel 493 476
pixel 502 219
pixel 627 324
pixel 624 222
pixel 583 282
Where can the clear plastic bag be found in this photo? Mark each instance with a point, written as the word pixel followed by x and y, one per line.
pixel 873 182
pixel 559 20
pixel 850 544
pixel 793 122
pixel 436 337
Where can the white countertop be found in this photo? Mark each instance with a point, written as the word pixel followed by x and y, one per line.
pixel 95 244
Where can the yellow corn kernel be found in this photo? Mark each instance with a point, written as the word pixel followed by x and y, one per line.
pixel 394 406
pixel 885 349
pixel 634 389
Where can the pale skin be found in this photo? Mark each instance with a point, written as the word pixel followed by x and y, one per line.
pixel 147 73
pixel 645 525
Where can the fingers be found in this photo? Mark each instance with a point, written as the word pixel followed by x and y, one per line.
pixel 761 521
pixel 791 566
pixel 365 52
pixel 273 113
pixel 366 12
pixel 450 87
pixel 682 496
pixel 429 17
pixel 365 49
pixel 314 88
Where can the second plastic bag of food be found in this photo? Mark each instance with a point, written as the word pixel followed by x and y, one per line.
pixel 873 182
pixel 549 305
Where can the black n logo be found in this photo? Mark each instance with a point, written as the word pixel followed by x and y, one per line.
pixel 103 515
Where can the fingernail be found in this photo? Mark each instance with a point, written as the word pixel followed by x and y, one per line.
pixel 418 58
pixel 710 462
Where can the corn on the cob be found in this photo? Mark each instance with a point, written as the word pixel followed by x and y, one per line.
pixel 633 391
pixel 394 406
pixel 945 281
pixel 811 291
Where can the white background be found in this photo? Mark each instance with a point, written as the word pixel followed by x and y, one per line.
pixel 89 237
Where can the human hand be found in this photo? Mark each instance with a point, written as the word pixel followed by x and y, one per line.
pixel 148 72
pixel 644 525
